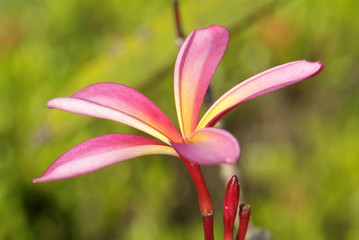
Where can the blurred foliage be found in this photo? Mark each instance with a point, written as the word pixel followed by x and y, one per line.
pixel 300 151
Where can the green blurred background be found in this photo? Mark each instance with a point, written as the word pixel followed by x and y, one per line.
pixel 300 150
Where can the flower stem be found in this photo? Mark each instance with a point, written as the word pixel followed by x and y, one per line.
pixel 205 202
pixel 244 215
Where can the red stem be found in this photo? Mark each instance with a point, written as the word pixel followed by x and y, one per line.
pixel 205 202
pixel 244 215
pixel 208 226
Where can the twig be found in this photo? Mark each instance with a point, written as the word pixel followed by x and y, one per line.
pixel 180 35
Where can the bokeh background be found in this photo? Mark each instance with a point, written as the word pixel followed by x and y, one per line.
pixel 299 163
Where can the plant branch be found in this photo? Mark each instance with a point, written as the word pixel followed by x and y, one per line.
pixel 205 202
pixel 180 35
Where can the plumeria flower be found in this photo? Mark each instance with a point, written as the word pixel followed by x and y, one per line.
pixel 198 142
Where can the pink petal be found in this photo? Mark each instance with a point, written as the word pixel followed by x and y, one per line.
pixel 265 82
pixel 196 63
pixel 209 146
pixel 100 152
pixel 120 103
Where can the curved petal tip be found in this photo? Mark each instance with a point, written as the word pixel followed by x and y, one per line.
pixel 321 64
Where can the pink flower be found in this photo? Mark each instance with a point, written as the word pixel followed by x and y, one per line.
pixel 198 142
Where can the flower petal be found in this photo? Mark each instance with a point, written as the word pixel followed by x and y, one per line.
pixel 260 84
pixel 120 103
pixel 209 146
pixel 100 152
pixel 197 61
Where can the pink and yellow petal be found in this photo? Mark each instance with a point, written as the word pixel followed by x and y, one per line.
pixel 100 152
pixel 209 146
pixel 120 103
pixel 265 82
pixel 196 63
